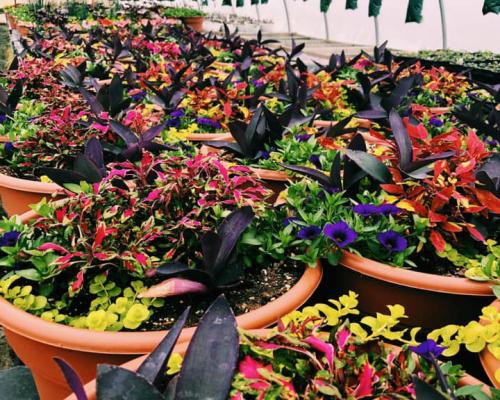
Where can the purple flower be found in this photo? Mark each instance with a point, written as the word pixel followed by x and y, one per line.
pixel 138 96
pixel 9 239
pixel 341 233
pixel 389 209
pixel 177 113
pixel 8 147
pixel 366 210
pixel 289 220
pixel 309 232
pixel 173 122
pixel 392 241
pixel 3 118
pixel 314 159
pixel 257 83
pixel 428 349
pixel 434 121
pixel 302 138
pixel 208 122
pixel 264 155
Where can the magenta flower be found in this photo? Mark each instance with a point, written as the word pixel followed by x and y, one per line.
pixel 309 232
pixel 341 233
pixel 392 241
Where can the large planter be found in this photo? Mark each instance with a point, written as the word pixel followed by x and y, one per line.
pixel 90 388
pixel 16 194
pixel 490 364
pixel 37 342
pixel 431 301
pixel 196 23
pixel 210 137
pixel 362 123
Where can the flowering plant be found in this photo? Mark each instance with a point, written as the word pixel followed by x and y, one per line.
pixel 117 232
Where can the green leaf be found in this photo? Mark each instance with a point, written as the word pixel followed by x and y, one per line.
pixel 496 291
pixel 324 5
pixel 492 6
pixel 351 4
pixel 374 8
pixel 414 11
pixel 474 391
pixel 31 274
pixel 370 164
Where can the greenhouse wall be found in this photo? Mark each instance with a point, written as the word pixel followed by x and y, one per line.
pixel 467 28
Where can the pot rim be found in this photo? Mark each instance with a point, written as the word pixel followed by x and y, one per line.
pixel 415 279
pixel 25 185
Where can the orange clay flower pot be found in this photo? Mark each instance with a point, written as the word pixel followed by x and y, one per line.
pixel 490 363
pixel 16 194
pixel 209 137
pixel 37 341
pixel 196 23
pixel 431 301
pixel 90 388
pixel 362 123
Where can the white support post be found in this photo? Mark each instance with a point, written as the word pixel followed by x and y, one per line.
pixel 443 25
pixel 377 31
pixel 327 30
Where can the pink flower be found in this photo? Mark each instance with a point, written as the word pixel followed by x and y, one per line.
pixel 342 337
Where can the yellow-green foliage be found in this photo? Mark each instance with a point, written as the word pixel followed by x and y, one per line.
pixel 114 309
pixel 380 326
pixel 21 296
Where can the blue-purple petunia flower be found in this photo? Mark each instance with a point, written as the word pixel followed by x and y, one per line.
pixel 289 220
pixel 302 138
pixel 208 122
pixel 3 118
pixel 428 349
pixel 9 239
pixel 177 113
pixel 138 96
pixel 264 155
pixel 389 209
pixel 341 233
pixel 435 121
pixel 173 122
pixel 366 210
pixel 257 83
pixel 392 241
pixel 315 160
pixel 309 232
pixel 8 147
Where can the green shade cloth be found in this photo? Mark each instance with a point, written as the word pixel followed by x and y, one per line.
pixel 351 4
pixel 226 2
pixel 374 8
pixel 414 11
pixel 492 6
pixel 240 3
pixel 324 5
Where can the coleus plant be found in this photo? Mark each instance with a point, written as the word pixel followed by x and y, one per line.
pixel 140 216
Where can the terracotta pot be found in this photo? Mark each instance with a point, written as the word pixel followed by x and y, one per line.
pixel 488 360
pixel 11 20
pixel 17 194
pixel 196 23
pixel 36 341
pixel 362 123
pixel 439 110
pixel 90 388
pixel 431 301
pixel 210 137
pixel 23 29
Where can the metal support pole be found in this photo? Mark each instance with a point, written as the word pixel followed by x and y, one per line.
pixel 327 31
pixel 287 17
pixel 258 12
pixel 377 31
pixel 443 24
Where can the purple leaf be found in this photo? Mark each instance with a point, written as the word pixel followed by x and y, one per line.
pixel 94 104
pixel 211 358
pixel 314 174
pixel 72 379
pixel 124 132
pixel 155 364
pixel 152 132
pixel 402 140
